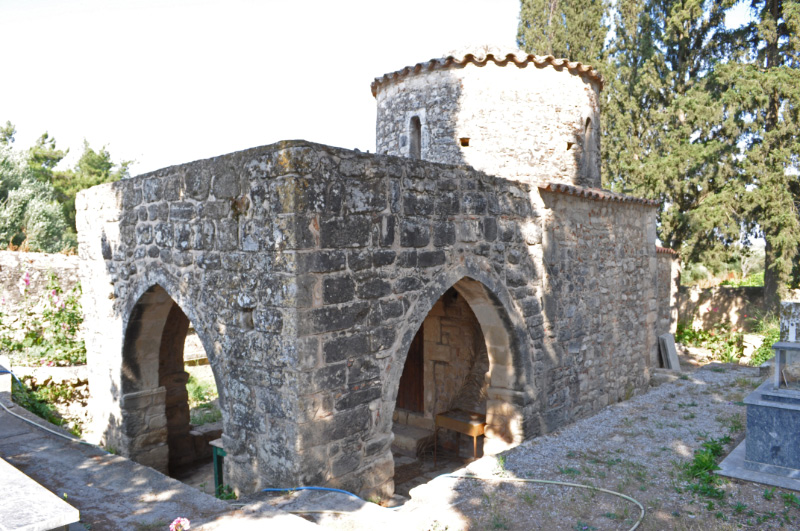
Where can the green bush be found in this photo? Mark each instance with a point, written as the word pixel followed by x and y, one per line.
pixel 201 402
pixel 49 333
pixel 754 280
pixel 768 327
pixel 41 399
pixel 725 344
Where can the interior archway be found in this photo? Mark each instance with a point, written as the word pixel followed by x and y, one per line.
pixel 157 421
pixel 460 360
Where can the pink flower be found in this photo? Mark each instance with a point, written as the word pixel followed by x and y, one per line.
pixel 179 524
pixel 26 279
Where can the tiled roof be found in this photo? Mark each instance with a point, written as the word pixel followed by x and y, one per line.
pixel 598 194
pixel 666 250
pixel 481 57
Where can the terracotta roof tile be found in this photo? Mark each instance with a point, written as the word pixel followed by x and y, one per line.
pixel 598 194
pixel 480 58
pixel 666 250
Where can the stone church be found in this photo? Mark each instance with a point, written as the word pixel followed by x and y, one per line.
pixel 473 263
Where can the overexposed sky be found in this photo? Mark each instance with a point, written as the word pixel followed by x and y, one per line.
pixel 170 81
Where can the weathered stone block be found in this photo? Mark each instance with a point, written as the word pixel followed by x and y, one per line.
pixel 332 318
pixel 414 234
pixel 341 348
pixel 337 289
pixel 350 231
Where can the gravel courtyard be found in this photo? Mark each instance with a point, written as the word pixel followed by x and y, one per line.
pixel 638 448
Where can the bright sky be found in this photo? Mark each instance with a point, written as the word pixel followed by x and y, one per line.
pixel 166 82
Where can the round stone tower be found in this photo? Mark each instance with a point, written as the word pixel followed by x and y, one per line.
pixel 519 116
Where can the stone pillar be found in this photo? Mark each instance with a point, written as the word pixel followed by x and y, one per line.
pixel 145 427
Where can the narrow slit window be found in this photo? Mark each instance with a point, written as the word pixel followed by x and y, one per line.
pixel 415 147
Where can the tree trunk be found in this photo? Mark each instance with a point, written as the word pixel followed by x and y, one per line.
pixel 772 281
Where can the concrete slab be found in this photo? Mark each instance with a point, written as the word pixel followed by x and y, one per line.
pixel 26 505
pixel 110 491
pixel 734 466
pixel 669 355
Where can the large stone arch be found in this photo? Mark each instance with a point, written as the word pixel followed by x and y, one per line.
pixel 153 405
pixel 508 351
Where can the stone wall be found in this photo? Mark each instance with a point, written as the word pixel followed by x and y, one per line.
pixel 532 123
pixel 306 271
pixel 704 308
pixel 600 304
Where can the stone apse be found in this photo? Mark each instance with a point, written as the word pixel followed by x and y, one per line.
pixel 307 271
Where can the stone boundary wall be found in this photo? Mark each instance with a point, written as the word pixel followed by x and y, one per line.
pixel 704 308
pixel 14 265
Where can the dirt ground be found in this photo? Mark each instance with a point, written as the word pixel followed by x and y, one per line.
pixel 638 448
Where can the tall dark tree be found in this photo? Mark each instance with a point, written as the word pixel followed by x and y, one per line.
pixel 770 111
pixel 656 113
pixel 563 28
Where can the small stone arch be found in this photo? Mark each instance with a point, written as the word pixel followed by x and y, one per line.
pixel 154 407
pixel 506 349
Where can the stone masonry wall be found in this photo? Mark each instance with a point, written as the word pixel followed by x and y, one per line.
pixel 527 124
pixel 599 304
pixel 306 271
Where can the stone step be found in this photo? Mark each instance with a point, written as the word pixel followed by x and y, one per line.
pixel 406 437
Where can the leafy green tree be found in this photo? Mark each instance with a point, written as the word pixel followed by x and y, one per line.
pixel 662 137
pixel 7 133
pixel 93 168
pixel 768 86
pixel 30 215
pixel 43 157
pixel 563 28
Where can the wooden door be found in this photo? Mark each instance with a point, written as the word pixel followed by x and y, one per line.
pixel 410 396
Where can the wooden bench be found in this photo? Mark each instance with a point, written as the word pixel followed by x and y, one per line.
pixel 26 505
pixel 460 421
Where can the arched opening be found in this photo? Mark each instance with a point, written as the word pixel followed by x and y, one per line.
pixel 415 136
pixel 158 387
pixel 589 154
pixel 459 366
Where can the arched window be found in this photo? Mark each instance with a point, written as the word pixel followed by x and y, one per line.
pixel 589 156
pixel 415 133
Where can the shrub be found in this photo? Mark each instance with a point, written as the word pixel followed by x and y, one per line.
pixel 49 331
pixel 768 327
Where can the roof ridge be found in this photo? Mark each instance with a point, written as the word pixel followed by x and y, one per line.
pixel 519 59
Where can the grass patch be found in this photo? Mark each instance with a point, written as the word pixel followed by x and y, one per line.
pixel 202 405
pixel 733 422
pixel 41 400
pixel 699 472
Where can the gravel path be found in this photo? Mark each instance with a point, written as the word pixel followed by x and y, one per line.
pixel 637 448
